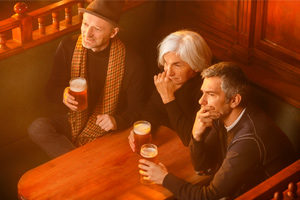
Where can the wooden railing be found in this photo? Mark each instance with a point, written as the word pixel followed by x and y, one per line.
pixel 28 29
pixel 285 185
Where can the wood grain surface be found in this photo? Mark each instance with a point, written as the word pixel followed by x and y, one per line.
pixel 106 169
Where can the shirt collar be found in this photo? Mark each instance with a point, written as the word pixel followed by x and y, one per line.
pixel 228 128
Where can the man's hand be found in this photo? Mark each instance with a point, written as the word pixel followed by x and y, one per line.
pixel 131 141
pixel 106 122
pixel 204 119
pixel 153 172
pixel 165 87
pixel 69 100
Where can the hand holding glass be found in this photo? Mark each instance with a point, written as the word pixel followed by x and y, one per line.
pixel 148 152
pixel 142 135
pixel 78 89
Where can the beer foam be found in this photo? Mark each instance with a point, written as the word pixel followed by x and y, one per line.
pixel 142 129
pixel 78 85
pixel 149 152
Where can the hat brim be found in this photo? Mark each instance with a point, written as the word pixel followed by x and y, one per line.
pixel 83 10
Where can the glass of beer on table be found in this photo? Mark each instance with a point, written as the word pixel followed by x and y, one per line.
pixel 78 89
pixel 148 152
pixel 142 135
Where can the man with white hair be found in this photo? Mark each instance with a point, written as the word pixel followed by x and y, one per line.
pixel 115 78
pixel 182 55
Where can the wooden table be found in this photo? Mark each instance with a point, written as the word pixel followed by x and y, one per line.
pixel 105 169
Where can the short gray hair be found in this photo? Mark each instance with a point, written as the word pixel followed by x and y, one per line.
pixel 233 79
pixel 190 46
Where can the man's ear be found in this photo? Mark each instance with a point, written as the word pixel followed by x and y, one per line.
pixel 114 32
pixel 235 101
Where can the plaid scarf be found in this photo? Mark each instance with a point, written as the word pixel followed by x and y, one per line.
pixel 83 126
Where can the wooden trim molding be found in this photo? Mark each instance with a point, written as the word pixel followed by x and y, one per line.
pixel 277 183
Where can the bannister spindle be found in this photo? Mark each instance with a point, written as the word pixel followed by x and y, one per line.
pixel 3 41
pixel 292 190
pixel 23 33
pixel 41 22
pixel 80 5
pixel 68 16
pixel 278 196
pixel 55 21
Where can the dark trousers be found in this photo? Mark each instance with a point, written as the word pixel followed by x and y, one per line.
pixel 52 135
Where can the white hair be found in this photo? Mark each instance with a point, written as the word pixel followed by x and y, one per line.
pixel 190 46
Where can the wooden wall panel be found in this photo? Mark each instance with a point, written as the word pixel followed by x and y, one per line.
pixel 277 32
pixel 223 13
pixel 262 35
pixel 219 22
pixel 282 24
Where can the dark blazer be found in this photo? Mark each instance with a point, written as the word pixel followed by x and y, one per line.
pixel 133 92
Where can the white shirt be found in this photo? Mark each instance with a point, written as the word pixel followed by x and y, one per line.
pixel 228 128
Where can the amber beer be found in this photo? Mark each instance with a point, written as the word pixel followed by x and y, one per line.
pixel 78 89
pixel 148 152
pixel 142 135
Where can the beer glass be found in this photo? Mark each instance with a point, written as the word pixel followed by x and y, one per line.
pixel 78 89
pixel 148 152
pixel 142 135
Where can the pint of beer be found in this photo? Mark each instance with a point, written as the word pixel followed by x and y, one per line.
pixel 78 89
pixel 148 152
pixel 142 135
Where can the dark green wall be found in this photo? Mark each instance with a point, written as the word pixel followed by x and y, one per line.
pixel 287 117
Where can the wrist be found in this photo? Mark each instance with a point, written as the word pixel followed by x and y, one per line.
pixel 196 137
pixel 168 99
pixel 163 178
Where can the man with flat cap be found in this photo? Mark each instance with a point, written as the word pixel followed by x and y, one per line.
pixel 115 82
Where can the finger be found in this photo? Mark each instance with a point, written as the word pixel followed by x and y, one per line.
pixel 146 178
pixel 203 115
pixel 167 79
pixel 162 165
pixel 70 97
pixel 206 108
pixel 131 137
pixel 211 114
pixel 66 91
pixel 71 101
pixel 142 172
pixel 132 146
pixel 131 140
pixel 159 76
pixel 146 162
pixel 99 119
pixel 72 107
pixel 143 167
pixel 107 126
pixel 103 121
pixel 215 116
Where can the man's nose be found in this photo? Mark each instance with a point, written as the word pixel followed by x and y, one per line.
pixel 89 31
pixel 202 100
